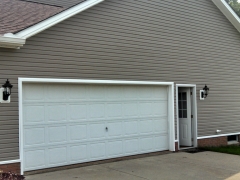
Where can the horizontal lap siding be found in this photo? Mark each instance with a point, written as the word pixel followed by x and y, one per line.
pixel 181 41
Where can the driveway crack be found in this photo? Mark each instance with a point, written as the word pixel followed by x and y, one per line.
pixel 126 173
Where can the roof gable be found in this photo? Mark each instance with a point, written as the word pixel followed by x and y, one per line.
pixel 18 39
pixel 17 15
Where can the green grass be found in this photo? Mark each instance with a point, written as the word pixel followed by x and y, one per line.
pixel 224 149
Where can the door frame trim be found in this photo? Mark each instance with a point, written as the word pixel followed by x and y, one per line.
pixel 170 85
pixel 194 106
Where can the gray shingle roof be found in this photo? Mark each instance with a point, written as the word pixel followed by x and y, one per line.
pixel 16 15
pixel 62 3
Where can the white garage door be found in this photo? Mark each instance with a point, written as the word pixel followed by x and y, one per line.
pixel 68 124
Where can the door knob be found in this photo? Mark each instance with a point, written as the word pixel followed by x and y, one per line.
pixel 106 128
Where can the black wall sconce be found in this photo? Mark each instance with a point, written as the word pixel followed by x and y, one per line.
pixel 6 91
pixel 204 93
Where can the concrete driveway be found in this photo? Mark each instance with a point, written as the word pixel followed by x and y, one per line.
pixel 177 166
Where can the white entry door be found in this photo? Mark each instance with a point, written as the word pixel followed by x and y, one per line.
pixel 67 124
pixel 184 115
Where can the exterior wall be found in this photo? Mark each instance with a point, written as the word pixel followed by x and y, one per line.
pixel 212 142
pixel 15 168
pixel 134 40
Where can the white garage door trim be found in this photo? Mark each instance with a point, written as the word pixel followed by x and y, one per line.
pixel 170 85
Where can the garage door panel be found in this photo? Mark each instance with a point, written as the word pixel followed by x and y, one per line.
pixel 97 131
pixel 114 93
pixel 145 108
pixel 57 113
pixel 115 148
pixel 146 127
pixel 159 93
pixel 130 92
pixel 51 95
pixel 143 93
pixel 131 127
pixel 34 159
pixel 34 93
pixel 114 110
pixel 130 110
pixel 115 129
pixel 164 142
pixel 78 132
pixel 34 114
pixel 146 144
pixel 97 151
pixel 71 121
pixel 77 112
pixel 78 153
pixel 57 134
pixel 34 136
pixel 77 93
pixel 96 92
pixel 131 146
pixel 96 111
pixel 159 108
pixel 57 156
pixel 161 125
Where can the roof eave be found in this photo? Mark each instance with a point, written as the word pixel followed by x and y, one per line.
pixel 228 12
pixel 19 39
pixel 35 29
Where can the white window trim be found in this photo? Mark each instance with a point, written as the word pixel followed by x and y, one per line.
pixel 228 12
pixel 171 127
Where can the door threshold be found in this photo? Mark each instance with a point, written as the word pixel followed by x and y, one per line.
pixel 190 147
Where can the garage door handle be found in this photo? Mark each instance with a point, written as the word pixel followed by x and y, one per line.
pixel 106 129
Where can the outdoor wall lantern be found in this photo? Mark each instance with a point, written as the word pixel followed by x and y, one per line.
pixel 5 92
pixel 204 93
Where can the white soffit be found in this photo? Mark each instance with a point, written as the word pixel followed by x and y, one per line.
pixel 228 12
pixel 17 40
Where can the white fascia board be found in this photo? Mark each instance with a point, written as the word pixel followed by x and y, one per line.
pixel 35 29
pixel 11 42
pixel 228 12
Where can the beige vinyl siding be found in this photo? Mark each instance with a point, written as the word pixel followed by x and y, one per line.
pixel 178 41
pixel 62 3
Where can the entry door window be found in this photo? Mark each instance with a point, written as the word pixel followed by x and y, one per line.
pixel 182 104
